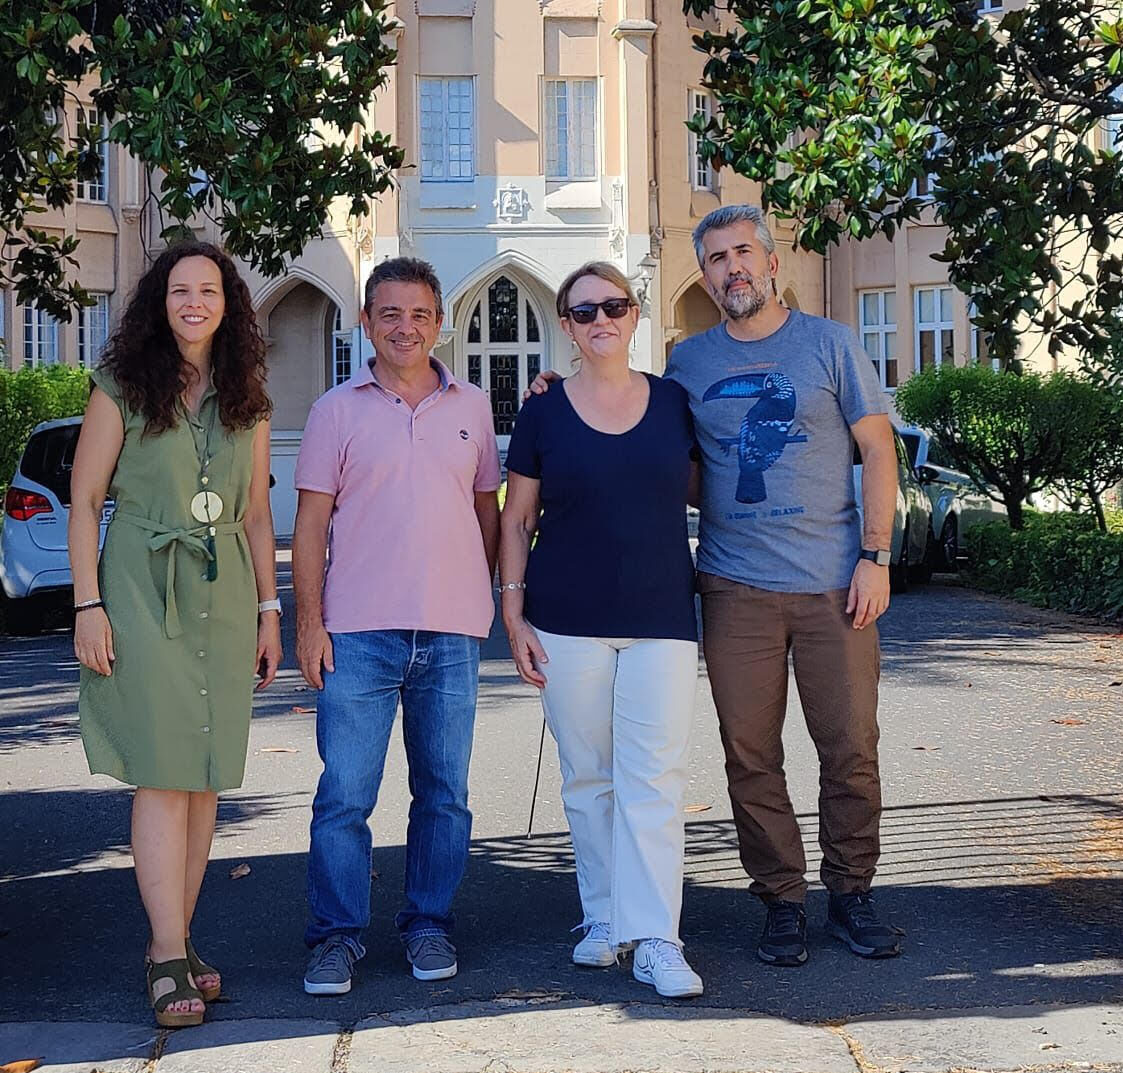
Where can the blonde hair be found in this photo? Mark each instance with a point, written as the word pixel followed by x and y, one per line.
pixel 602 270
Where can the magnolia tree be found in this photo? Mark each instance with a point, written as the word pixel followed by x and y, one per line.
pixel 854 114
pixel 251 113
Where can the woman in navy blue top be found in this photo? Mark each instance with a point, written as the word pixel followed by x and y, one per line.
pixel 599 610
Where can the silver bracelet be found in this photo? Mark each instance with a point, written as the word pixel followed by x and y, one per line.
pixel 512 586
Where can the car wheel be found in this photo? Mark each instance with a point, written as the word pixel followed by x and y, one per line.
pixel 21 617
pixel 899 571
pixel 922 573
pixel 949 543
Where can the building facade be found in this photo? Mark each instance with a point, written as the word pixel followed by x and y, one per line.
pixel 538 134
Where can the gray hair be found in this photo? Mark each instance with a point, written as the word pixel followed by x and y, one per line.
pixel 727 216
pixel 404 270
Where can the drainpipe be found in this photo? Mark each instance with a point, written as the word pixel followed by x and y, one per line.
pixel 827 284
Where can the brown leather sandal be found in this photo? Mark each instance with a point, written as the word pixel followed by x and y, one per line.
pixel 199 968
pixel 177 971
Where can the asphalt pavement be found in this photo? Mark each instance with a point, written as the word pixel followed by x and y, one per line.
pixel 1002 865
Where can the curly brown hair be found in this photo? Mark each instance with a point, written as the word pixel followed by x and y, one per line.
pixel 144 360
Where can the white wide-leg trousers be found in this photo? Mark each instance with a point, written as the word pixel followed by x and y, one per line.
pixel 621 711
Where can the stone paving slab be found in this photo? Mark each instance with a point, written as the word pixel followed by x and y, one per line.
pixel 78 1048
pixel 251 1046
pixel 1003 1039
pixel 517 1037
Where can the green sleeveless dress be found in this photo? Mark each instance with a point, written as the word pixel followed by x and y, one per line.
pixel 175 712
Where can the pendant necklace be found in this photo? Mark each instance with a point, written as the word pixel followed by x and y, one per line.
pixel 207 506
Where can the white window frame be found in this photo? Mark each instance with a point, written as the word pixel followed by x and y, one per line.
pixel 96 189
pixel 702 174
pixel 93 330
pixel 1113 125
pixel 450 90
pixel 977 338
pixel 342 350
pixel 943 327
pixel 985 7
pixel 925 188
pixel 40 337
pixel 881 330
pixel 576 142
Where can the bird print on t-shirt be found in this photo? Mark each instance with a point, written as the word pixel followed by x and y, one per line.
pixel 764 428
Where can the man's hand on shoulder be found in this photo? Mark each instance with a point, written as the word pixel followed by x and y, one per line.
pixel 541 383
pixel 868 598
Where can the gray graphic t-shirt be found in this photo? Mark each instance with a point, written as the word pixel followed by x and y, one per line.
pixel 772 419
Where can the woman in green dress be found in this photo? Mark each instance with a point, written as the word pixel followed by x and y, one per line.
pixel 183 610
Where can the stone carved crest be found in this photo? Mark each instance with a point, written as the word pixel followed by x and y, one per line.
pixel 511 203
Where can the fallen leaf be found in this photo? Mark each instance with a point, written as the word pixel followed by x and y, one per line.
pixel 278 749
pixel 302 711
pixel 1049 1046
pixel 26 1065
pixel 240 872
pixel 1069 722
pixel 1114 684
pixel 926 748
pixel 697 808
pixel 968 685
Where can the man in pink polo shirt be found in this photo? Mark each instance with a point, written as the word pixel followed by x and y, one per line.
pixel 397 476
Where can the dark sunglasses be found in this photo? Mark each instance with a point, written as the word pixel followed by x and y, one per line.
pixel 586 312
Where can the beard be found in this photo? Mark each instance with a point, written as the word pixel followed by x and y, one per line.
pixel 742 305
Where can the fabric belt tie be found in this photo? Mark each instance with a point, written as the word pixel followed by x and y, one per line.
pixel 166 538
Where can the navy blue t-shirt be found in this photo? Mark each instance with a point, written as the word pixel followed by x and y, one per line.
pixel 612 557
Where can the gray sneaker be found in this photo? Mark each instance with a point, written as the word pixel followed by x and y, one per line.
pixel 330 968
pixel 433 957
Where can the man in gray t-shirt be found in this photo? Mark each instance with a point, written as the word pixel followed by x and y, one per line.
pixel 773 418
pixel 779 398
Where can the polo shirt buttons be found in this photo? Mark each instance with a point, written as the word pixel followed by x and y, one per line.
pixel 202 692
pixel 201 653
pixel 397 400
pixel 203 614
pixel 205 730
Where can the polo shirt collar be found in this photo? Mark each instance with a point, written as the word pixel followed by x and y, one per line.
pixel 364 375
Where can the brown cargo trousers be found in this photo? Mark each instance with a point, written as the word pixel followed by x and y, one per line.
pixel 747 634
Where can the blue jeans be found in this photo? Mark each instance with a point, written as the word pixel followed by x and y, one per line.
pixel 436 676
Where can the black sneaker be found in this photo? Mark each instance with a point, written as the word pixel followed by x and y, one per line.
pixel 853 919
pixel 784 939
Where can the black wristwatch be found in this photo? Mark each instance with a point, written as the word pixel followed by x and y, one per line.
pixel 881 556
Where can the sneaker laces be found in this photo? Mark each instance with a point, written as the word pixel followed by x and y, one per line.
pixel 859 910
pixel 334 956
pixel 783 918
pixel 424 945
pixel 668 955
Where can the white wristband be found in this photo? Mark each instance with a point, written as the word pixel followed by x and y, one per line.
pixel 269 605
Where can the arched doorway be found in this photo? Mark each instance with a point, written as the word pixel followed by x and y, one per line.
pixel 694 312
pixel 504 347
pixel 298 356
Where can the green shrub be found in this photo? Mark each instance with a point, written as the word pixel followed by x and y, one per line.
pixel 1060 560
pixel 29 396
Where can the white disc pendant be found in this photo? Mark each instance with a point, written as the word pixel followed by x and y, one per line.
pixel 206 506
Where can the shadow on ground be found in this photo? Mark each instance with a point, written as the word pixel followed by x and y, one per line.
pixel 1002 903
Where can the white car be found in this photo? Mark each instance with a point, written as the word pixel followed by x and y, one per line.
pixel 33 561
pixel 912 548
pixel 957 503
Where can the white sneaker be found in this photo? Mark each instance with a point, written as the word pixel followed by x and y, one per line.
pixel 661 964
pixel 595 950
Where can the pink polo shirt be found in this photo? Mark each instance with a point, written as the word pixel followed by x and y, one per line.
pixel 405 550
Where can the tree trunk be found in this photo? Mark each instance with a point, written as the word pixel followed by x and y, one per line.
pixel 1098 508
pixel 1014 511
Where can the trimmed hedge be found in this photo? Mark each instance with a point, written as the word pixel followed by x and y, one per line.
pixel 29 396
pixel 1060 561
